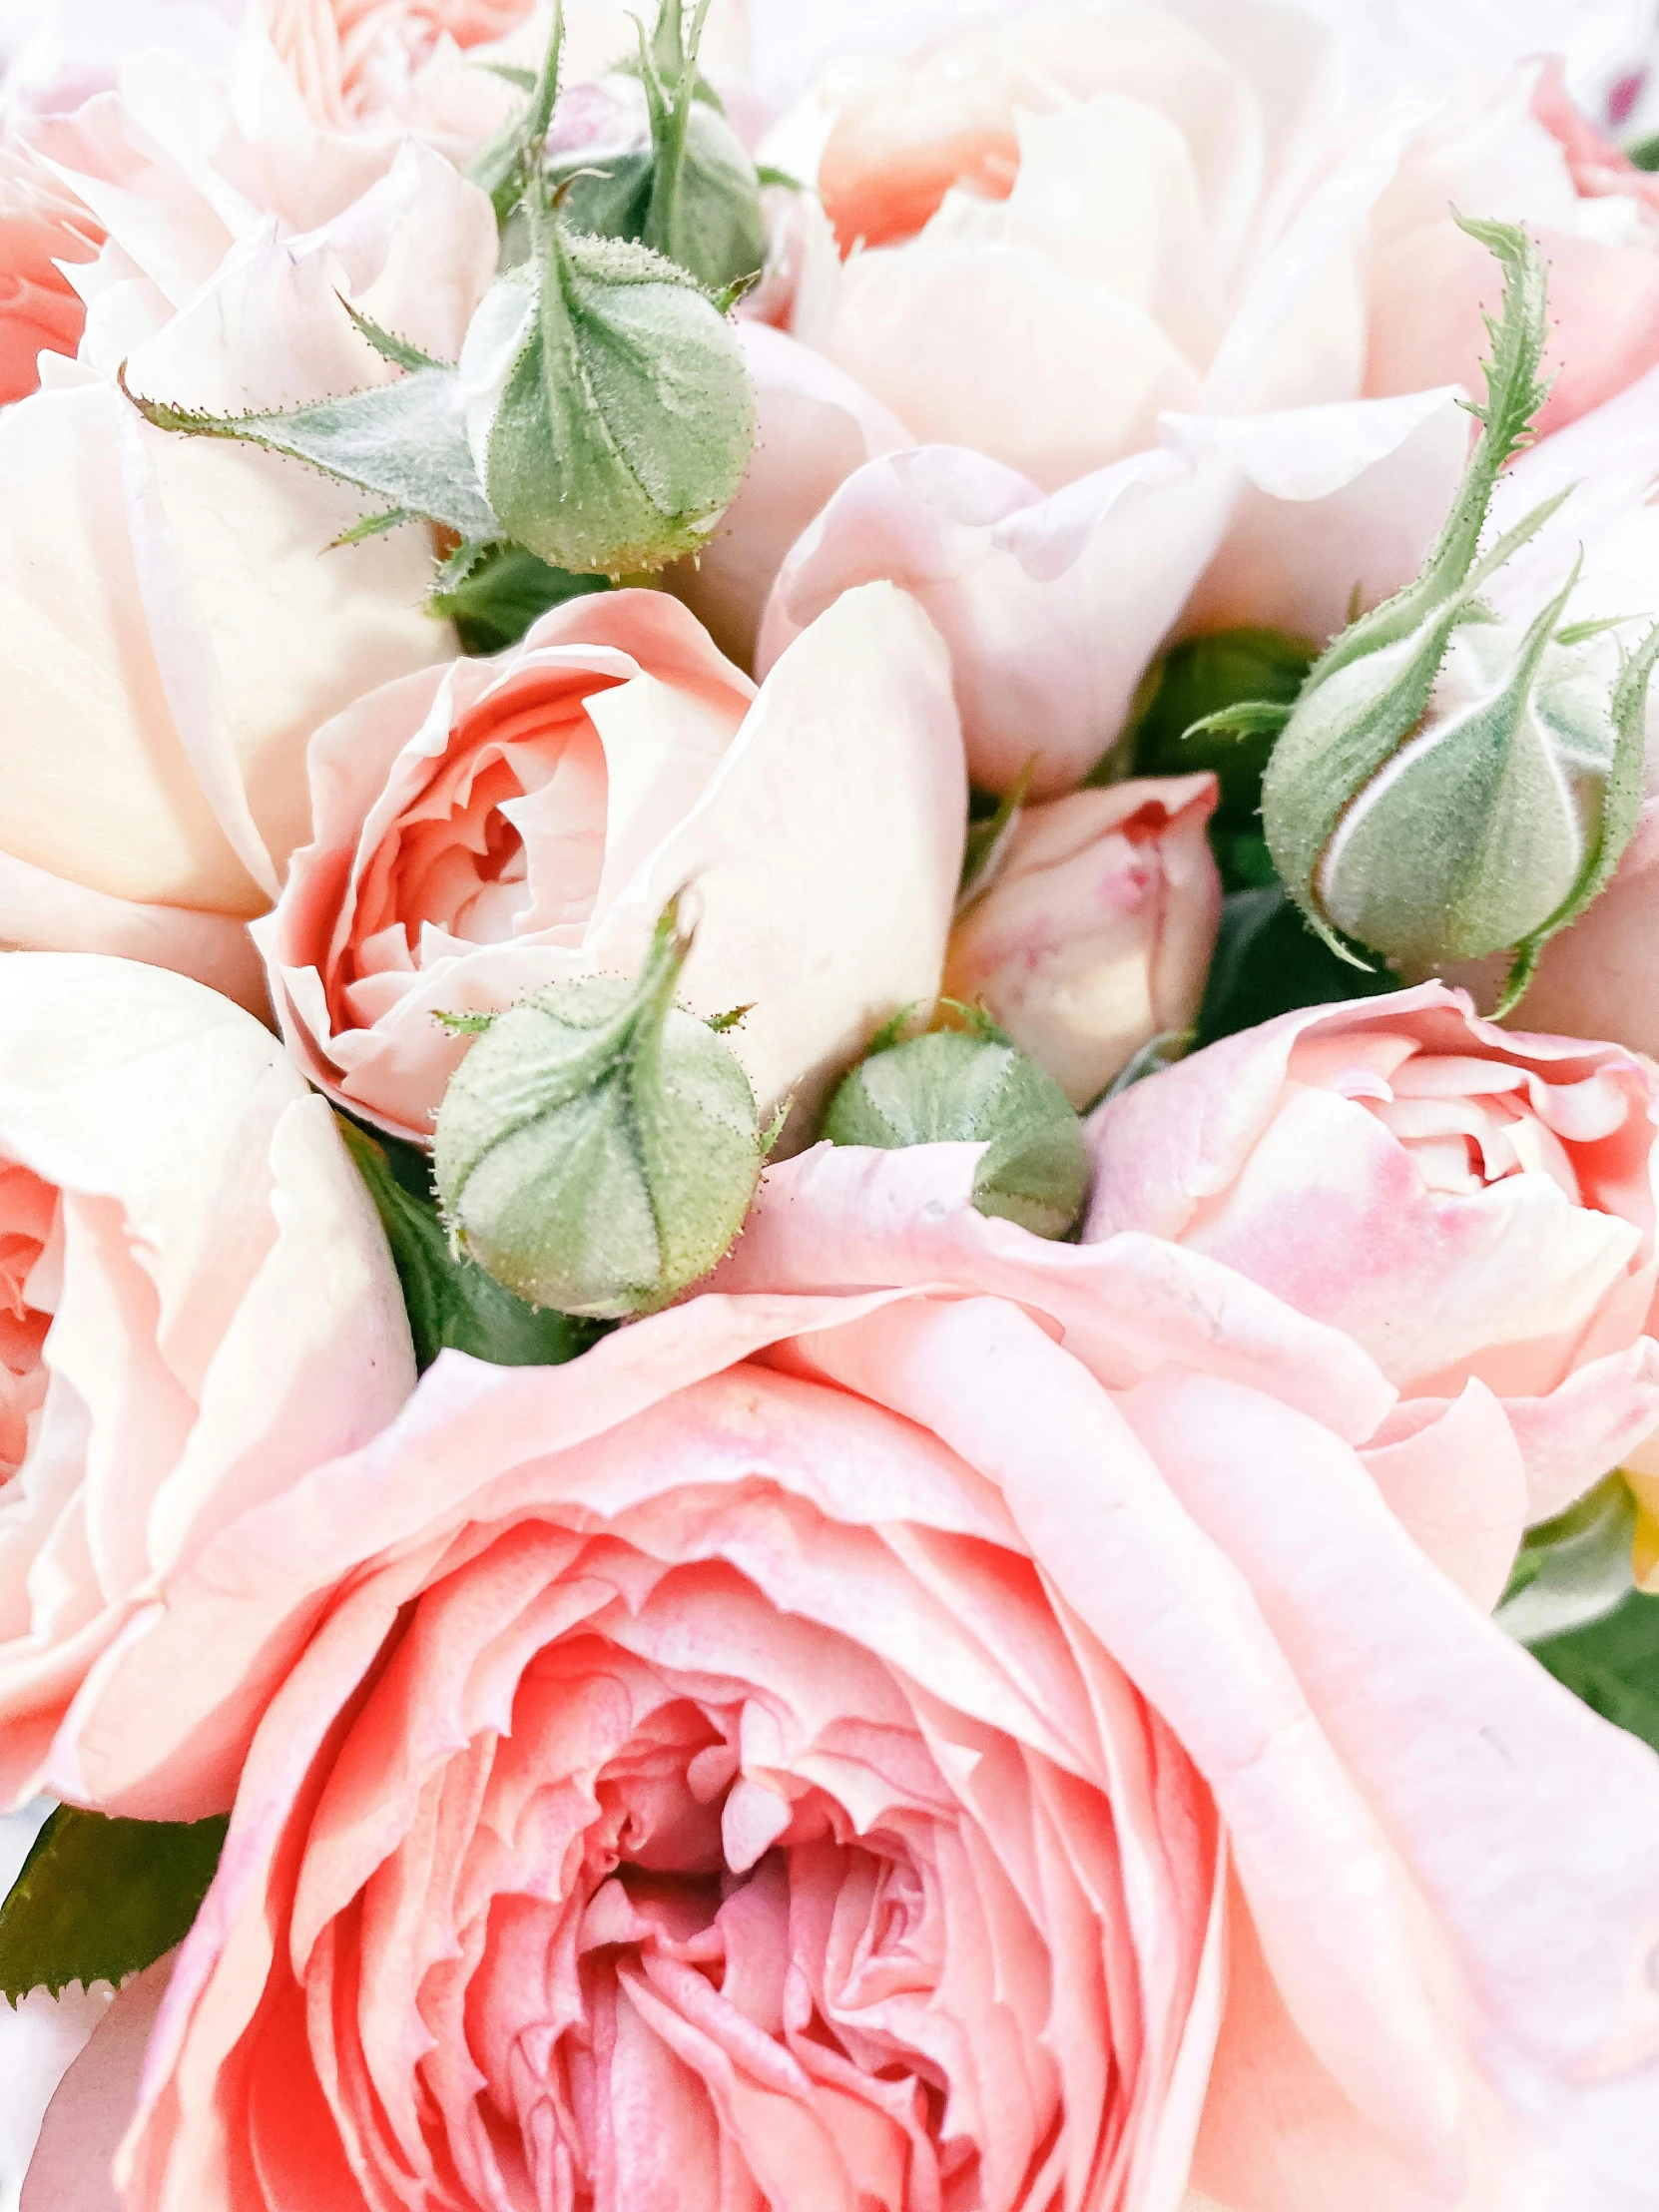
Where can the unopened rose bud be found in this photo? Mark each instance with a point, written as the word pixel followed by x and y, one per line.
pixel 597 1149
pixel 952 1088
pixel 650 156
pixel 1095 931
pixel 1447 787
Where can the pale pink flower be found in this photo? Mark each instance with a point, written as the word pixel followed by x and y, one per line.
pixel 947 1718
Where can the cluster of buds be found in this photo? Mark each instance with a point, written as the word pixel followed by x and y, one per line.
pixel 1447 786
pixel 600 416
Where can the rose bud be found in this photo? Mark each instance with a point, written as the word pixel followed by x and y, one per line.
pixel 1095 933
pixel 651 156
pixel 603 391
pixel 956 1088
pixel 1447 787
pixel 597 1149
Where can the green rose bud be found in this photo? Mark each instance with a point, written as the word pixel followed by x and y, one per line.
pixel 681 181
pixel 951 1088
pixel 597 1149
pixel 1445 786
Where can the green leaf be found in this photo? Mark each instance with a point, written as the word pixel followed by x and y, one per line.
pixel 494 596
pixel 451 1302
pixel 1175 733
pixel 1268 961
pixel 1644 155
pixel 405 442
pixel 1613 1665
pixel 98 1899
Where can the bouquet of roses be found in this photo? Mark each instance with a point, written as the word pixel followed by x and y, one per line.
pixel 828 1181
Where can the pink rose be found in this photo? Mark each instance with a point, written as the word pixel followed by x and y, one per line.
pixel 864 1739
pixel 1095 933
pixel 175 614
pixel 41 224
pixel 1464 1201
pixel 1063 214
pixel 491 827
pixel 1517 150
pixel 197 1307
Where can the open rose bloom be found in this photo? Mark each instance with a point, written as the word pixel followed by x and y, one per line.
pixel 197 1305
pixel 863 1739
pixel 499 826
pixel 1464 1200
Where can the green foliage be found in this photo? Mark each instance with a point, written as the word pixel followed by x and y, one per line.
pixel 1268 961
pixel 98 1899
pixel 493 593
pixel 975 1088
pixel 1613 1665
pixel 1197 682
pixel 451 1302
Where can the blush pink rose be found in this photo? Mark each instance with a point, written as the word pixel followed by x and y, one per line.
pixel 1464 1201
pixel 1095 933
pixel 178 614
pixel 1519 151
pixel 488 829
pixel 865 1740
pixel 196 1305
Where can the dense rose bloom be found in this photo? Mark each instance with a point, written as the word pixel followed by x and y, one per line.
pixel 1464 1201
pixel 1063 212
pixel 173 614
pixel 863 1738
pixel 197 1307
pixel 40 224
pixel 1516 150
pixel 1095 933
pixel 493 827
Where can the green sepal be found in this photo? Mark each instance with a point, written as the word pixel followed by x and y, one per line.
pixel 98 1899
pixel 391 348
pixel 374 526
pixel 403 441
pixel 1246 718
pixel 452 1304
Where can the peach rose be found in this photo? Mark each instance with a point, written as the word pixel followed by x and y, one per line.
pixel 1095 933
pixel 863 1739
pixel 174 614
pixel 1464 1201
pixel 41 224
pixel 196 1305
pixel 493 827
pixel 1056 223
